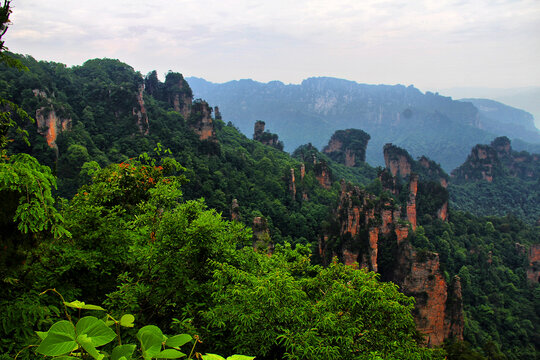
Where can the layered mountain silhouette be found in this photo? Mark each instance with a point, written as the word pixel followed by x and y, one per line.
pixel 424 123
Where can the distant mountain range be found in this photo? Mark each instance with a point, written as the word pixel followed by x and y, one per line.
pixel 423 123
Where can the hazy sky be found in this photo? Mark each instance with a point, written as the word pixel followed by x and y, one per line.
pixel 432 44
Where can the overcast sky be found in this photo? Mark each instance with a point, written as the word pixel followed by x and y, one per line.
pixel 432 44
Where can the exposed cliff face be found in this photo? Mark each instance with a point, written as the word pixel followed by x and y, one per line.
pixel 397 160
pixel 348 147
pixel 179 94
pixel 482 164
pixel 365 224
pixel 427 192
pixel 323 174
pixel 433 171
pixel 140 112
pixel 265 137
pixel 50 125
pixel 292 185
pixel 533 271
pixel 201 122
pixel 439 307
pixel 487 162
pixel 411 203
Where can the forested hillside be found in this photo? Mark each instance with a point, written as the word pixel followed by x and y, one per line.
pixel 162 203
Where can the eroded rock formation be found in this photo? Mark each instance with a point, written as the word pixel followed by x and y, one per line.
pixel 533 271
pixel 439 306
pixel 265 137
pixel 397 160
pixel 200 120
pixel 140 112
pixel 482 164
pixel 348 147
pixel 50 125
pixel 323 174
pixel 373 234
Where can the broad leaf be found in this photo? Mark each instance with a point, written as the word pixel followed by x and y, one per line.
pixel 86 343
pixel 212 357
pixel 60 340
pixel 178 340
pixel 127 320
pixel 151 339
pixel 240 357
pixel 96 330
pixel 42 335
pixel 169 354
pixel 124 352
pixel 81 305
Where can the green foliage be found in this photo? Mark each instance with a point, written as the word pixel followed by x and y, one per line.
pixel 499 302
pixel 286 307
pixel 67 339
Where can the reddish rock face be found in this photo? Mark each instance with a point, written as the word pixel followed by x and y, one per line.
pixel 350 158
pixel 442 213
pixel 302 171
pixel 402 232
pixel 348 147
pixel 49 125
pixel 438 309
pixel 397 160
pixel 323 175
pixel 292 185
pixel 411 203
pixel 201 121
pixel 333 146
pixel 533 271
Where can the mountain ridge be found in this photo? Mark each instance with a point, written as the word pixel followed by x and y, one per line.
pixel 312 110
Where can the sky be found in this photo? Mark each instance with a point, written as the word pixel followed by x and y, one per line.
pixel 431 44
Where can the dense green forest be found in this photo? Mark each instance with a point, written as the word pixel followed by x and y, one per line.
pixel 133 204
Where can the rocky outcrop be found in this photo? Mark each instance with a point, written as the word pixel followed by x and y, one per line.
pixel 323 174
pixel 397 160
pixel 217 113
pixel 439 308
pixel 533 270
pixel 292 185
pixel 430 170
pixel 50 125
pixel 140 112
pixel 427 182
pixel 178 94
pixel 200 120
pixel 265 137
pixel 488 162
pixel 411 202
pixel 348 147
pixel 482 164
pixel 373 234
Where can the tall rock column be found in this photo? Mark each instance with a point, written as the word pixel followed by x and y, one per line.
pixel 411 203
